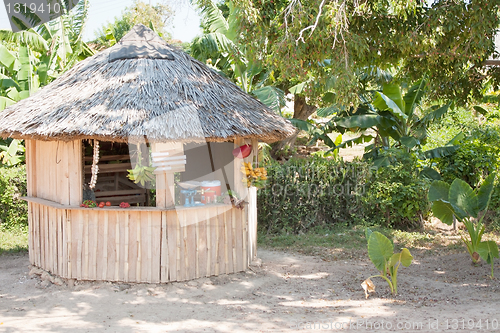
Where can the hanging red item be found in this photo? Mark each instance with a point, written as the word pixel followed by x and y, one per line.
pixel 242 151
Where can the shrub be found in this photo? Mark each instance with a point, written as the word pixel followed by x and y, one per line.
pixel 397 196
pixel 477 157
pixel 304 193
pixel 455 121
pixel 13 210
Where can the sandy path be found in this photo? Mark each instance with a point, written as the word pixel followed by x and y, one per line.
pixel 287 289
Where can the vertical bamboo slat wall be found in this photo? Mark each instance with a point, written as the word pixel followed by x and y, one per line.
pixel 135 245
pixel 138 245
pixel 54 170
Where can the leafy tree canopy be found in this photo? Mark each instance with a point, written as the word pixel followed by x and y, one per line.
pixel 159 16
pixel 326 43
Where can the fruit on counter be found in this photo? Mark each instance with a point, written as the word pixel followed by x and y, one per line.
pixel 101 204
pixel 124 205
pixel 89 204
pixel 108 203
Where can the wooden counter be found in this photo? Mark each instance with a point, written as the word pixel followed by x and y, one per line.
pixel 137 244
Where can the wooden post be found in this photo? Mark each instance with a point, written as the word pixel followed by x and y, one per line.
pixel 31 167
pixel 252 209
pixel 249 195
pixel 252 224
pixel 75 172
pixel 239 186
pixel 165 186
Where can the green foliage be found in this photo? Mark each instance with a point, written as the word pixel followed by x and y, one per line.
pixel 305 193
pixel 454 122
pixel 301 194
pixel 477 153
pixel 13 241
pixel 476 158
pixel 158 17
pixel 397 194
pixel 327 43
pixel 460 201
pixel 381 253
pixel 397 120
pixel 13 210
pixel 488 250
pixel 11 152
pixel 31 59
pixel 219 48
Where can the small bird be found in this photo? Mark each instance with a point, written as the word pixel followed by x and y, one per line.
pixel 238 203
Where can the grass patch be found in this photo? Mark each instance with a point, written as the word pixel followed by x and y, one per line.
pixel 350 243
pixel 13 241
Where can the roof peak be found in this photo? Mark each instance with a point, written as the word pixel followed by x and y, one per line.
pixel 140 42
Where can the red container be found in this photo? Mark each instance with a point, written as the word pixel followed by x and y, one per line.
pixel 211 191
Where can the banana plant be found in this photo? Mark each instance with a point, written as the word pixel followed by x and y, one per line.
pixel 20 72
pixel 469 206
pixel 219 49
pixel 11 153
pixel 392 116
pixel 65 38
pixel 381 254
pixel 33 58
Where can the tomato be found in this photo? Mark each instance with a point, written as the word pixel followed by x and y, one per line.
pixel 101 205
pixel 108 203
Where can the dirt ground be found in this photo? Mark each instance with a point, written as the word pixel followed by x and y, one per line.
pixel 289 292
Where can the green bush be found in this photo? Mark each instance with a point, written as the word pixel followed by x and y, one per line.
pixel 455 121
pixel 477 157
pixel 397 196
pixel 13 210
pixel 304 193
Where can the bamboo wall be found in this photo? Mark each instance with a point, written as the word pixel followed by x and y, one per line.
pixel 54 170
pixel 137 245
pixel 134 245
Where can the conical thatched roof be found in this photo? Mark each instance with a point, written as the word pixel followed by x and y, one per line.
pixel 142 87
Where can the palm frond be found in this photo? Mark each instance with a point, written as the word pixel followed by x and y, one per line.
pixel 30 38
pixel 271 96
pixel 213 19
pixel 213 45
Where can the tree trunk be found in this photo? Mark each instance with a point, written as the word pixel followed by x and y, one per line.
pixel 302 111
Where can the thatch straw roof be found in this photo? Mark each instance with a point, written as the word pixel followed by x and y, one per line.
pixel 142 88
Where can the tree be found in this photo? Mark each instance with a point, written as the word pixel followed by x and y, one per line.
pixel 158 16
pixel 33 58
pixel 326 43
pixel 222 46
pixel 218 48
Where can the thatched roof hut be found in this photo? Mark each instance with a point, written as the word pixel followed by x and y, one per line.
pixel 142 88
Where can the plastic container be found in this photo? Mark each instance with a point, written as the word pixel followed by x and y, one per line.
pixel 211 191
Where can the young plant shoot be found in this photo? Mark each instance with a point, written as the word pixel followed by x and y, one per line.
pixel 381 253
pixel 469 206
